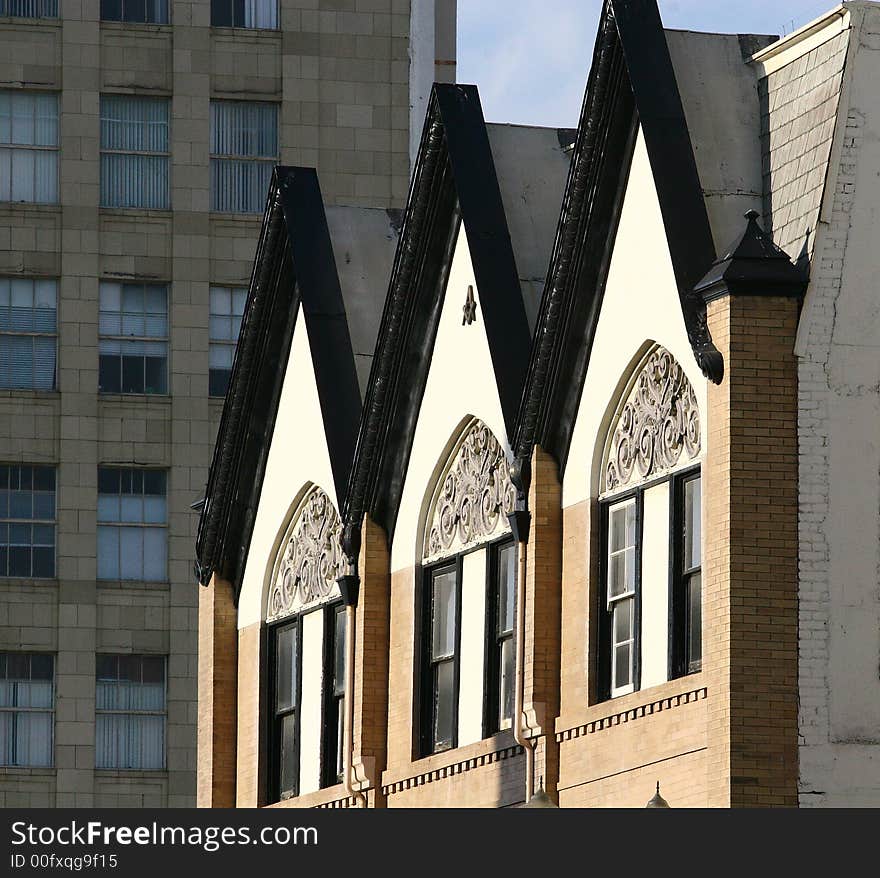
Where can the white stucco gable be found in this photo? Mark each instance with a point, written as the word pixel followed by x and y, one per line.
pixel 298 458
pixel 460 386
pixel 641 307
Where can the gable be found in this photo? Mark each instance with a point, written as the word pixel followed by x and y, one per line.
pixel 640 307
pixel 298 457
pixel 461 385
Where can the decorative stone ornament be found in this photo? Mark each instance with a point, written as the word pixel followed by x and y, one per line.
pixel 474 497
pixel 470 308
pixel 658 426
pixel 311 558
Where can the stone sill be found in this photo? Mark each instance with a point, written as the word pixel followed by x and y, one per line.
pixel 137 27
pixel 26 771
pixel 46 21
pixel 134 584
pixel 633 701
pixel 30 581
pixel 162 399
pixel 449 758
pixel 239 34
pixel 131 774
pixel 137 212
pixel 255 218
pixel 12 393
pixel 315 799
pixel 34 207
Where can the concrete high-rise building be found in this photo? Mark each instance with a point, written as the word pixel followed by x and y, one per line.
pixel 137 141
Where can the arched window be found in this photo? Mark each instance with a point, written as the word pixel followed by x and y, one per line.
pixel 650 616
pixel 306 655
pixel 467 597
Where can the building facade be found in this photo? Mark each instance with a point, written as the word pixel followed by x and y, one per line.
pixel 593 522
pixel 136 146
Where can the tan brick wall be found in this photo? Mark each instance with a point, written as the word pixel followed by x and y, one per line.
pixel 249 787
pixel 371 660
pixel 218 679
pixel 750 561
pixel 543 612
pixel 616 751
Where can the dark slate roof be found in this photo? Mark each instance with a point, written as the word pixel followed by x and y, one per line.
pixel 294 269
pixel 631 83
pixel 752 265
pixel 454 180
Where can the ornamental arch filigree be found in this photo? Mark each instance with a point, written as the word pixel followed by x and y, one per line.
pixel 309 558
pixel 656 427
pixel 473 496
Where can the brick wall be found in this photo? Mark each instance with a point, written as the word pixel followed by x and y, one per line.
pixel 249 785
pixel 218 673
pixel 750 554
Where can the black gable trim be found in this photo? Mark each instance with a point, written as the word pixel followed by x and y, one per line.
pixel 293 264
pixel 324 311
pixel 454 180
pixel 631 82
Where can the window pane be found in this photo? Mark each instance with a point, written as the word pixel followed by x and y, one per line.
pixel 155 554
pixel 695 620
pixel 108 552
pixel 692 524
pixel 507 683
pixel 289 761
pixel 339 651
pixel 443 615
pixel 131 553
pixel 622 666
pixel 506 588
pixel 286 669
pixel 444 706
pixel 623 621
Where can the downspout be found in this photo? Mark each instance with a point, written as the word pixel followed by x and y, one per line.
pixel 520 521
pixel 349 585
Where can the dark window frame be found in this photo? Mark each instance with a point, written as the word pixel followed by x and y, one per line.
pixel 426 745
pixel 680 662
pixel 605 617
pixel 237 7
pixel 17 712
pixel 122 14
pixel 492 639
pixel 333 697
pixel 8 520
pixel 275 794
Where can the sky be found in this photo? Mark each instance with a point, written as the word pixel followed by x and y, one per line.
pixel 530 58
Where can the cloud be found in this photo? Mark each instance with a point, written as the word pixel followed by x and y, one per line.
pixel 530 58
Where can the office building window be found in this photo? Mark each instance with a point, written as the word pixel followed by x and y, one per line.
pixel 227 307
pixel 132 524
pixel 244 149
pixel 130 712
pixel 133 346
pixel 27 708
pixel 27 521
pixel 134 152
pixel 245 13
pixel 146 11
pixel 29 8
pixel 27 333
pixel 28 146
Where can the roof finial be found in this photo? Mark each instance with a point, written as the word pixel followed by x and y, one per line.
pixel 657 801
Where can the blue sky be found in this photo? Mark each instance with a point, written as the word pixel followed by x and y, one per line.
pixel 530 58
